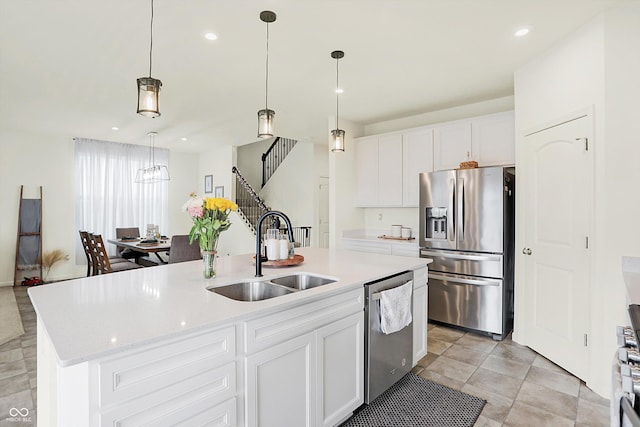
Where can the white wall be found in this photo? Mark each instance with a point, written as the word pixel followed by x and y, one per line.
pixel 32 160
pixel 342 179
pixel 595 67
pixel 249 161
pixel 291 189
pixel 454 113
pixel 217 162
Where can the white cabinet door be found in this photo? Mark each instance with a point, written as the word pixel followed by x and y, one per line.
pixel 390 170
pixel 420 296
pixel 451 145
pixel 417 157
pixel 280 384
pixel 379 171
pixel 340 381
pixel 493 139
pixel 419 324
pixel 366 150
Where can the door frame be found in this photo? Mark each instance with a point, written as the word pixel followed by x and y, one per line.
pixel 519 328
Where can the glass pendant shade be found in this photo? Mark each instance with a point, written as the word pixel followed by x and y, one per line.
pixel 337 135
pixel 148 87
pixel 148 96
pixel 337 143
pixel 153 173
pixel 265 123
pixel 266 115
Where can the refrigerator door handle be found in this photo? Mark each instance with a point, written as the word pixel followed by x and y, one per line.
pixel 464 281
pixel 484 257
pixel 462 216
pixel 451 215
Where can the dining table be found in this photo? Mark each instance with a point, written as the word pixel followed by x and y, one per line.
pixel 145 246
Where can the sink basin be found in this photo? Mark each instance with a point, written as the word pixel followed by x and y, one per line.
pixel 251 291
pixel 302 281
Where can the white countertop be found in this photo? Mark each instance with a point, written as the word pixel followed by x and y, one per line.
pixel 96 316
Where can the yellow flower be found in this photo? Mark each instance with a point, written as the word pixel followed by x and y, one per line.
pixel 219 204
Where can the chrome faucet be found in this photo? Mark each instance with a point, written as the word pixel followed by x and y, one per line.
pixel 258 231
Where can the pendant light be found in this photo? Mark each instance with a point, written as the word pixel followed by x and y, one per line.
pixel 153 173
pixel 148 87
pixel 265 116
pixel 337 135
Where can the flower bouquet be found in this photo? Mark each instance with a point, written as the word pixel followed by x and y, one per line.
pixel 210 216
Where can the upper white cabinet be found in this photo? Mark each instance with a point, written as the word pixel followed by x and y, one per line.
pixel 417 157
pixel 489 140
pixel 387 166
pixel 493 139
pixel 451 145
pixel 379 170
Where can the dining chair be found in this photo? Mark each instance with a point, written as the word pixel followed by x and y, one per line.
pixel 181 250
pixel 86 245
pixel 126 252
pixel 102 263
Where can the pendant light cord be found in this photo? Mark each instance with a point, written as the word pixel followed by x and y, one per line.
pixel 266 81
pixel 151 38
pixel 337 94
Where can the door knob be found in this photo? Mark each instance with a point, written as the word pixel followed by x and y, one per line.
pixel 526 251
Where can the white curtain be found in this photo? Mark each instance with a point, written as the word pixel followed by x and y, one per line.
pixel 106 194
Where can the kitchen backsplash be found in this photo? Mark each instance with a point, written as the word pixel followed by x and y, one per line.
pixel 384 218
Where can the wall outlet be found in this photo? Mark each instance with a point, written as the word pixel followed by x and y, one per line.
pixel 379 217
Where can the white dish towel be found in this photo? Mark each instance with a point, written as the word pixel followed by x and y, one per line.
pixel 395 308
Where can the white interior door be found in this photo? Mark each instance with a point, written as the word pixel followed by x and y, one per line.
pixel 556 183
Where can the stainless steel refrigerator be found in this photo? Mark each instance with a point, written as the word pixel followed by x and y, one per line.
pixel 467 228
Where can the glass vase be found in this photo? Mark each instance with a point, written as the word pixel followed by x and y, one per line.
pixel 209 260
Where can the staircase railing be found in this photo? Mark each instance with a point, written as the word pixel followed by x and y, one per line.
pixel 274 156
pixel 250 205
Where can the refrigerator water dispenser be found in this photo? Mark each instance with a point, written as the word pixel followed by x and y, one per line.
pixel 436 226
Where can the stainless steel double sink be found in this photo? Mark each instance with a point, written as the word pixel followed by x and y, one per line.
pixel 258 290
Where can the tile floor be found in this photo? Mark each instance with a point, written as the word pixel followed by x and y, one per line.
pixel 521 387
pixel 18 368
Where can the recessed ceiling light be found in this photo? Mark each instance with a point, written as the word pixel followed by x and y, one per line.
pixel 183 138
pixel 520 32
pixel 210 36
pixel 115 128
pixel 339 90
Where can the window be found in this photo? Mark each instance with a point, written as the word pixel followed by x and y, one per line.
pixel 106 194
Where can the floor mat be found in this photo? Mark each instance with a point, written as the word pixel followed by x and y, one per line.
pixel 417 402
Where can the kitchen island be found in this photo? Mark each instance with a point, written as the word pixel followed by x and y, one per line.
pixel 155 346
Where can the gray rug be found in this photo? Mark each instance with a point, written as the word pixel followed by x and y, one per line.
pixel 417 402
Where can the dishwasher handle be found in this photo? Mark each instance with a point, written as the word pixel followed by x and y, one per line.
pixel 376 296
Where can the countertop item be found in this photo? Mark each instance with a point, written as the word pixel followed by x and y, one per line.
pixel 96 316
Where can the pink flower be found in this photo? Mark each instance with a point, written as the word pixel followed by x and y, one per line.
pixel 195 211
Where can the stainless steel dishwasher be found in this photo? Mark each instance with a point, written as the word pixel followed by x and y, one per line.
pixel 388 357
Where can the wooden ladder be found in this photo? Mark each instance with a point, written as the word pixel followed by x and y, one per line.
pixel 29 236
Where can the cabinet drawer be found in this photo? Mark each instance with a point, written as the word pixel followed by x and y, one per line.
pixel 162 365
pixel 269 330
pixel 199 411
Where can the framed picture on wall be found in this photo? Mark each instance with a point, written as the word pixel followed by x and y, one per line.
pixel 208 183
pixel 219 191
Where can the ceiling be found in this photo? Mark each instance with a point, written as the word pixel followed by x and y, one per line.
pixel 69 67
